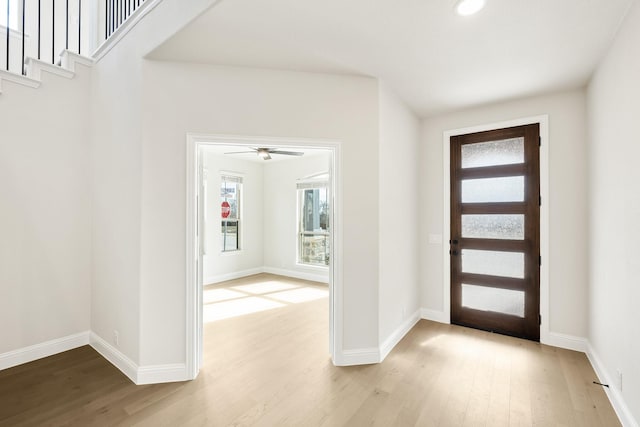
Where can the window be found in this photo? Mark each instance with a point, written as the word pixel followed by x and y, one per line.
pixel 230 208
pixel 313 227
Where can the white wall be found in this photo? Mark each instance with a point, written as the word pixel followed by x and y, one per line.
pixel 45 211
pixel 129 238
pixel 614 226
pixel 567 202
pixel 242 101
pixel 281 214
pixel 117 198
pixel 218 266
pixel 398 207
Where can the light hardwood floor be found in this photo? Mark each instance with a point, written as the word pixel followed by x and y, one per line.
pixel 271 368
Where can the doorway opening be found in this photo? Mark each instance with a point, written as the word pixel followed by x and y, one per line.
pixel 255 246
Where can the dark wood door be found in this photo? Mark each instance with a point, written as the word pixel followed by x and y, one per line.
pixel 495 231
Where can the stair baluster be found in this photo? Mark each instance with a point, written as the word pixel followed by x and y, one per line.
pixel 55 26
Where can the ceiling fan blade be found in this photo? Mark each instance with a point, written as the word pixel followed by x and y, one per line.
pixel 240 152
pixel 287 153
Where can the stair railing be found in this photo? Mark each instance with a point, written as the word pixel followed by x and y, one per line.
pixel 42 29
pixel 116 12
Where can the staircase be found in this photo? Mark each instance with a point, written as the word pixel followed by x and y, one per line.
pixel 32 32
pixel 35 69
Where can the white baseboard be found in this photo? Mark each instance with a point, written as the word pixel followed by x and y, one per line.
pixel 115 356
pixel 45 349
pixel 568 342
pixel 314 277
pixel 393 339
pixel 156 374
pixel 362 356
pixel 434 315
pixel 614 395
pixel 152 374
pixel 368 356
pixel 231 276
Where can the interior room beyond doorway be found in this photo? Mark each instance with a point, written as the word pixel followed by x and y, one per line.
pixel 265 211
pixel 265 214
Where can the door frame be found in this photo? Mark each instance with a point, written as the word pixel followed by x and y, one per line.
pixel 194 298
pixel 543 120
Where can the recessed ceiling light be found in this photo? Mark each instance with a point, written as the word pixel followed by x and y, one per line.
pixel 469 7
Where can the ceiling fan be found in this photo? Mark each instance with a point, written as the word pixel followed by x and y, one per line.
pixel 265 153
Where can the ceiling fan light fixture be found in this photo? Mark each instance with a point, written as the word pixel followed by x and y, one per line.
pixel 469 7
pixel 264 153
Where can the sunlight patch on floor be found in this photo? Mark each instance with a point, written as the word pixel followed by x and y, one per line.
pixel 237 307
pixel 430 341
pixel 264 287
pixel 300 295
pixel 223 302
pixel 222 294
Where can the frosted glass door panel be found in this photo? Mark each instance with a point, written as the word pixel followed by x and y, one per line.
pixel 509 227
pixel 493 190
pixel 493 153
pixel 493 299
pixel 493 263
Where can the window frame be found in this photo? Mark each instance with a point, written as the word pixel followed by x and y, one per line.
pixel 319 181
pixel 238 180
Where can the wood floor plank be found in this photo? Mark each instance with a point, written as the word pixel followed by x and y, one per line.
pixel 520 412
pixel 273 368
pixel 498 409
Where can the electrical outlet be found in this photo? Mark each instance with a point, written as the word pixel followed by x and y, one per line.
pixel 116 338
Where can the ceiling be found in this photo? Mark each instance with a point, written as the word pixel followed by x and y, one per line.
pixel 435 60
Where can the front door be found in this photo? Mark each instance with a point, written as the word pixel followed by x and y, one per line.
pixel 495 231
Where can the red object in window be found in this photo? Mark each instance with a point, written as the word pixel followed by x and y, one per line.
pixel 226 209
